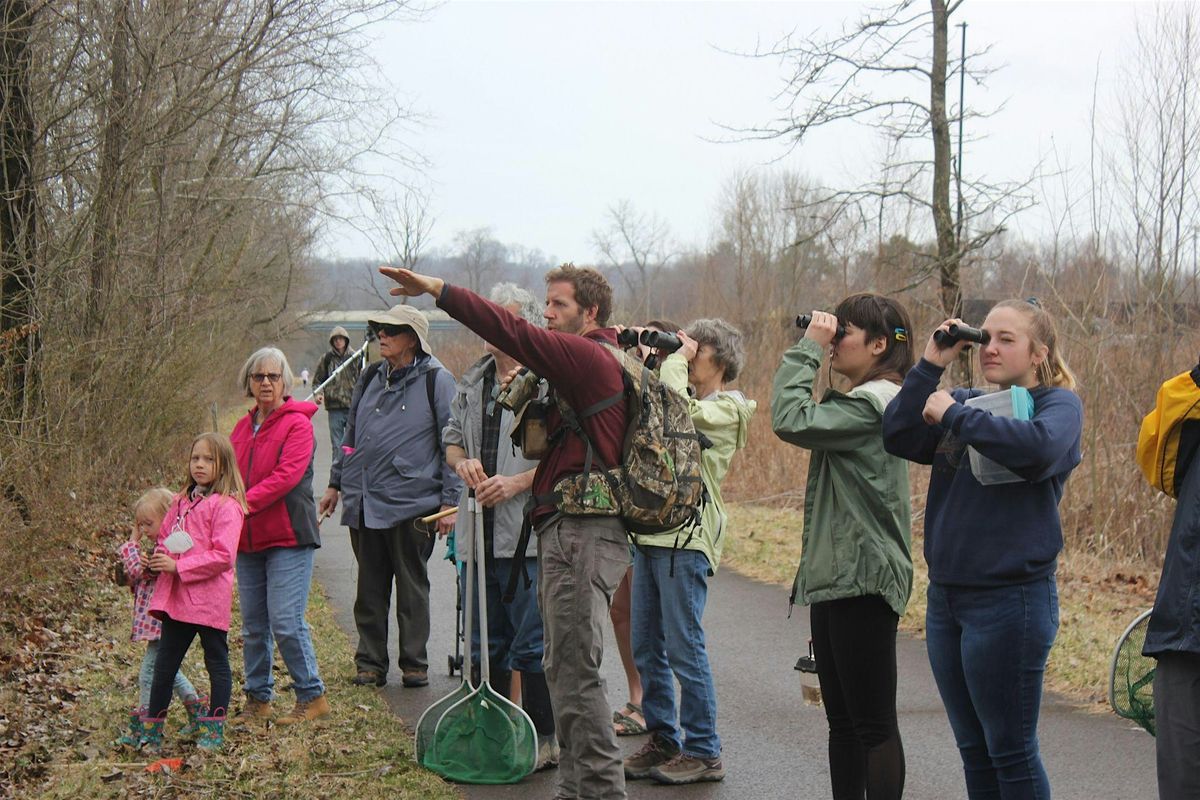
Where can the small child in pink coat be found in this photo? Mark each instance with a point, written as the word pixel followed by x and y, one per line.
pixel 197 549
pixel 148 514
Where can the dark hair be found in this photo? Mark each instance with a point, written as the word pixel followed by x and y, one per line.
pixel 591 288
pixel 663 325
pixel 881 316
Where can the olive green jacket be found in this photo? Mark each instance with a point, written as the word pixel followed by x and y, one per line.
pixel 724 417
pixel 857 513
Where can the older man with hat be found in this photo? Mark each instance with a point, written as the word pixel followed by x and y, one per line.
pixel 391 472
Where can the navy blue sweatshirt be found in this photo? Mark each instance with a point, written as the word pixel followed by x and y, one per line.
pixel 995 535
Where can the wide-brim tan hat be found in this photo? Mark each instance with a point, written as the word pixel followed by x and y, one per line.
pixel 409 317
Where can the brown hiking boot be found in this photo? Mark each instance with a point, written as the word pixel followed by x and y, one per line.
pixel 415 677
pixel 306 711
pixel 367 677
pixel 688 769
pixel 253 710
pixel 656 751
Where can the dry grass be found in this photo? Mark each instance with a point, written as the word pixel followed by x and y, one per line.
pixel 1097 597
pixel 362 750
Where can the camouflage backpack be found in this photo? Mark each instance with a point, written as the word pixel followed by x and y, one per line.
pixel 657 486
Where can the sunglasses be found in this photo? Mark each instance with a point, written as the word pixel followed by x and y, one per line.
pixel 263 377
pixel 391 330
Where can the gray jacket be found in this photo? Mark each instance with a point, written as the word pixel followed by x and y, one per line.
pixel 468 406
pixel 396 470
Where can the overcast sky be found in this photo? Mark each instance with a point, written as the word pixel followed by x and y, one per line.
pixel 540 115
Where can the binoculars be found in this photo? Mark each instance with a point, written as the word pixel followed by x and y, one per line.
pixel 960 333
pixel 519 390
pixel 656 340
pixel 804 320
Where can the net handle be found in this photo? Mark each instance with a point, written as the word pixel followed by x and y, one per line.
pixel 479 555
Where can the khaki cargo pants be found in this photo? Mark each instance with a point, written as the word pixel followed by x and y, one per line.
pixel 580 562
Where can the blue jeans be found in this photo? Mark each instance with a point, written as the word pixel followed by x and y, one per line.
pixel 338 418
pixel 668 645
pixel 273 590
pixel 183 687
pixel 988 650
pixel 514 629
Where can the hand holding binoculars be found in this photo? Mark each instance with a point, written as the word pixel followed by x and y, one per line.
pixel 960 333
pixel 804 320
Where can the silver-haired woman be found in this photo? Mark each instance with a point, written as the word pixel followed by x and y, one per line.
pixel 274 445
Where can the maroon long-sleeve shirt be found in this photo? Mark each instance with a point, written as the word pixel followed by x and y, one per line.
pixel 579 368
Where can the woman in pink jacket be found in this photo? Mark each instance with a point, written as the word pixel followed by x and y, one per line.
pixel 274 446
pixel 197 545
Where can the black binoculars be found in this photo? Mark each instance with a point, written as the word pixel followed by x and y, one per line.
pixel 627 338
pixel 960 333
pixel 661 341
pixel 804 320
pixel 656 340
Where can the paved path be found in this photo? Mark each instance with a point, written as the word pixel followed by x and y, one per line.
pixel 774 744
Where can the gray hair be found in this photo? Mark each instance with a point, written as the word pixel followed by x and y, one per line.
pixel 508 294
pixel 726 341
pixel 256 360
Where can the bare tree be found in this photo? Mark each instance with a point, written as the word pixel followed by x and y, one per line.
pixel 636 244
pixel 163 171
pixel 871 73
pixel 480 255
pixel 1160 137
pixel 402 230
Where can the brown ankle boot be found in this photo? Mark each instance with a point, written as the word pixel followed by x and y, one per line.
pixel 254 710
pixel 306 711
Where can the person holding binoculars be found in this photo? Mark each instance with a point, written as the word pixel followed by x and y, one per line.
pixel 671 570
pixel 992 549
pixel 652 340
pixel 856 569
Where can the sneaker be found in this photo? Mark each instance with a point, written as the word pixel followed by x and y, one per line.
pixel 415 677
pixel 688 769
pixel 548 753
pixel 657 750
pixel 368 677
pixel 254 709
pixel 306 711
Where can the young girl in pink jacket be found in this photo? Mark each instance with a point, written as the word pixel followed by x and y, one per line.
pixel 197 548
pixel 148 514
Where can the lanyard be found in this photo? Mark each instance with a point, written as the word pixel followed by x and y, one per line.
pixel 181 515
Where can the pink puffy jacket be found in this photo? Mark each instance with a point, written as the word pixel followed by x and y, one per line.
pixel 201 591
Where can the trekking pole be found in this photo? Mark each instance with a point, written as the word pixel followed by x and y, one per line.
pixel 360 351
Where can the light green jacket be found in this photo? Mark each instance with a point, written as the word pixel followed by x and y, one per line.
pixel 857 513
pixel 724 417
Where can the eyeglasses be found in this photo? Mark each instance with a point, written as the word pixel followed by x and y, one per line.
pixel 263 377
pixel 391 330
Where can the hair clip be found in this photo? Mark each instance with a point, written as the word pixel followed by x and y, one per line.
pixel 900 334
pixel 1033 301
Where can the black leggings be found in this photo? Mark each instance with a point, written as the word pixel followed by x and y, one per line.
pixel 854 642
pixel 172 647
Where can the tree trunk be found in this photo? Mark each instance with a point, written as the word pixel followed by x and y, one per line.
pixel 948 255
pixel 18 205
pixel 109 179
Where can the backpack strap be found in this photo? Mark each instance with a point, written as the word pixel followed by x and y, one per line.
pixel 518 567
pixel 430 385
